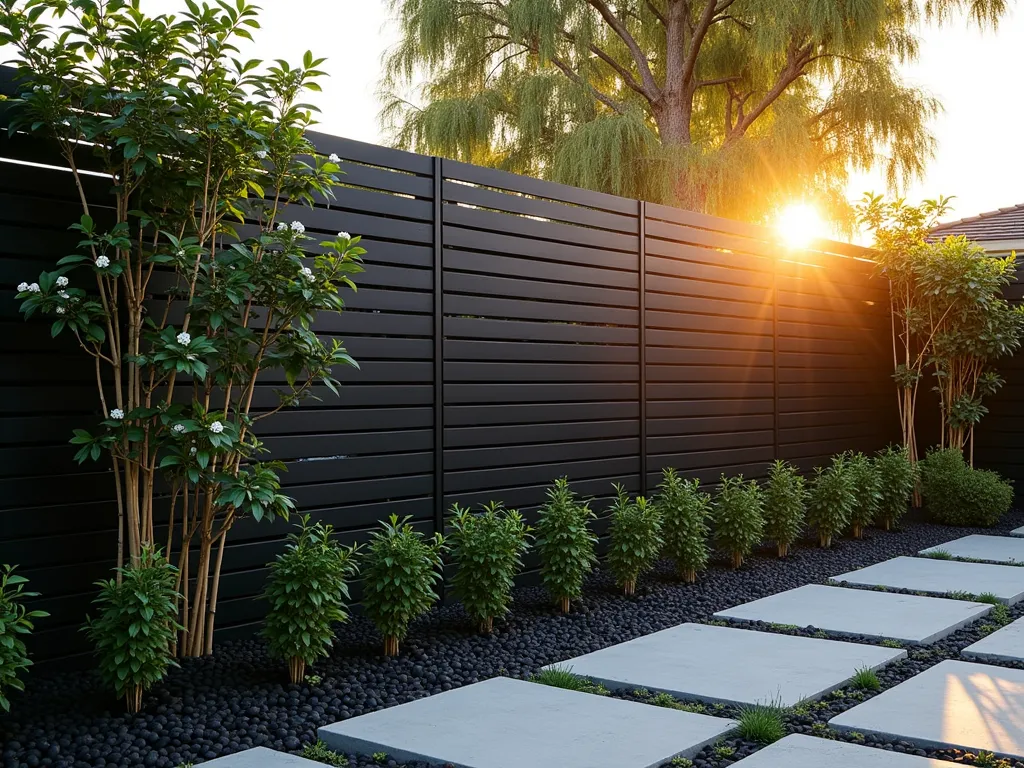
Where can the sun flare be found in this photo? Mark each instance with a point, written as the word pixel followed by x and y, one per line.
pixel 800 223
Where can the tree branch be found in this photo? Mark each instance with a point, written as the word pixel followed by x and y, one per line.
pixel 796 60
pixel 718 81
pixel 656 13
pixel 697 38
pixel 651 89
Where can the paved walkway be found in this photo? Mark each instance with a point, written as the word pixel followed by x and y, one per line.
pixel 505 723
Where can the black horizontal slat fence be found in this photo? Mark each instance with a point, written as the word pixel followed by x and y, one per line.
pixel 509 331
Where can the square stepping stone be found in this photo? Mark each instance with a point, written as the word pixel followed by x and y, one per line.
pixel 955 704
pixel 1006 644
pixel 1017 531
pixel 882 615
pixel 731 666
pixel 505 723
pixel 261 757
pixel 994 549
pixel 798 751
pixel 923 574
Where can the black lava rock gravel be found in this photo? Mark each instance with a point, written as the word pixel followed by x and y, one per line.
pixel 238 698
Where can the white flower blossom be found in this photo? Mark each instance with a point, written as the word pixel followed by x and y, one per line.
pixel 22 287
pixel 282 227
pixel 59 310
pixel 102 262
pixel 261 154
pixel 307 273
pixel 192 451
pixel 216 427
pixel 42 88
pixel 117 414
pixel 64 294
pixel 344 236
pixel 178 429
pixel 297 226
pixel 184 338
pixel 334 158
pixel 62 281
pixel 33 288
pixel 180 253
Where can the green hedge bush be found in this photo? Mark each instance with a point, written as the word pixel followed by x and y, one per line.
pixel 738 514
pixel 867 492
pixel 684 514
pixel 957 494
pixel 784 505
pixel 565 543
pixel 16 621
pixel 831 500
pixel 635 533
pixel 897 476
pixel 135 629
pixel 487 549
pixel 307 590
pixel 400 569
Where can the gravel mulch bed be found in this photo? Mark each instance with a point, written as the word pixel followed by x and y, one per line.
pixel 238 698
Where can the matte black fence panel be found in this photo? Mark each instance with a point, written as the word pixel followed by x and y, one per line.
pixel 509 331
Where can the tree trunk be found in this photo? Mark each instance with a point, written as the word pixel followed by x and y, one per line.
pixel 858 531
pixel 133 699
pixel 737 559
pixel 825 540
pixel 783 549
pixel 296 669
pixel 887 524
pixel 487 625
pixel 390 645
pixel 629 588
pixel 563 604
pixel 689 575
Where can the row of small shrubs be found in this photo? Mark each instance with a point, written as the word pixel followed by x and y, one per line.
pixel 307 589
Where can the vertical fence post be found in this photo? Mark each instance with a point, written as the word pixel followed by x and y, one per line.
pixel 775 354
pixel 438 350
pixel 642 277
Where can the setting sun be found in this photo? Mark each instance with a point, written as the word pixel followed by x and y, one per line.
pixel 800 223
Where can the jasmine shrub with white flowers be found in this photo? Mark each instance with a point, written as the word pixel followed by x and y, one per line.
pixel 180 314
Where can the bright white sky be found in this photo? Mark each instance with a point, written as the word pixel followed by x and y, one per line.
pixel 980 155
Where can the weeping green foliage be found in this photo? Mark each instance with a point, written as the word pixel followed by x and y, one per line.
pixel 635 533
pixel 784 498
pixel 783 99
pixel 684 514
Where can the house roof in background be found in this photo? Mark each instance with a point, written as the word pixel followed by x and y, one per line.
pixel 1003 224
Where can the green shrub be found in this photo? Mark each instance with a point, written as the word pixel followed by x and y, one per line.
pixel 558 676
pixel 784 501
pixel 487 550
pixel 866 679
pixel 307 590
pixel 738 514
pixel 867 492
pixel 939 554
pixel 399 572
pixel 565 543
pixel 830 500
pixel 897 477
pixel 762 723
pixel 16 621
pixel 635 538
pixel 957 494
pixel 684 513
pixel 319 752
pixel 135 628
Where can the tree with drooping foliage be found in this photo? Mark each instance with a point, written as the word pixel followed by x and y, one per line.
pixel 725 106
